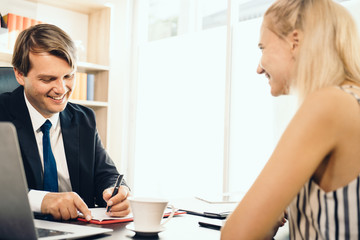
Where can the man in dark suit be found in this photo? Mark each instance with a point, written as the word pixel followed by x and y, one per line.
pixel 44 63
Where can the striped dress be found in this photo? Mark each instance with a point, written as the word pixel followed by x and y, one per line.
pixel 316 214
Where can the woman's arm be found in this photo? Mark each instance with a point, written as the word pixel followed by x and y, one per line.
pixel 310 136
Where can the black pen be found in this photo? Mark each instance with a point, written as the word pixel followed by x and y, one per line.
pixel 116 188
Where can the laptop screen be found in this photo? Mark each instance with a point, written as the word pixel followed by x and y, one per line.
pixel 16 217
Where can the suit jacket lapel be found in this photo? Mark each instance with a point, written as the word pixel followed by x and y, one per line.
pixel 27 141
pixel 70 132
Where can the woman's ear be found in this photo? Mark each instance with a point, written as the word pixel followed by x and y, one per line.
pixel 294 40
pixel 20 78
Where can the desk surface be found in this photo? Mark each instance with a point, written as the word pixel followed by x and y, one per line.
pixel 179 228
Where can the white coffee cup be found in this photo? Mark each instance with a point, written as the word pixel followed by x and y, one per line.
pixel 148 213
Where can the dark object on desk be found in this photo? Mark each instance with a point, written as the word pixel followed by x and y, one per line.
pixel 141 237
pixel 222 215
pixel 8 81
pixel 209 225
pixel 215 224
pixel 146 235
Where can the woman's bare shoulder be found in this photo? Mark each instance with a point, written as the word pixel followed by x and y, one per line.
pixel 330 100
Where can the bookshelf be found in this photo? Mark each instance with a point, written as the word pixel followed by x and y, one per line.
pixel 86 22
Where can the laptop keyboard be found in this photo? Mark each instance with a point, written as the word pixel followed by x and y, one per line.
pixel 43 232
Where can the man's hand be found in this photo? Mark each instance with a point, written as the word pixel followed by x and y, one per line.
pixel 64 206
pixel 119 204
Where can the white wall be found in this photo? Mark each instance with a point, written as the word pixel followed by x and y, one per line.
pixel 354 8
pixel 66 19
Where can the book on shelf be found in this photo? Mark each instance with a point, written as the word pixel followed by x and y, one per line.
pixel 19 24
pixel 90 86
pixel 80 88
pixel 3 34
pixel 33 22
pixel 75 91
pixel 16 24
pixel 10 20
pixel 83 86
pixel 26 22
pixel 2 22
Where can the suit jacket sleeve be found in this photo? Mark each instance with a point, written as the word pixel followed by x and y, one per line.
pixel 90 167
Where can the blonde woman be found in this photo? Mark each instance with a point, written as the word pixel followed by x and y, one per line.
pixel 311 48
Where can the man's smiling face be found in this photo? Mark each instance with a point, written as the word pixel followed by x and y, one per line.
pixel 48 84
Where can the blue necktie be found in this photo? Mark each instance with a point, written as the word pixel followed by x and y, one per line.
pixel 50 172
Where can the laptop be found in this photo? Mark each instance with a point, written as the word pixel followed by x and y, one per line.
pixel 16 218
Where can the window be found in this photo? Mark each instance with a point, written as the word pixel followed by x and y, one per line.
pixel 180 111
pixel 163 17
pixel 181 106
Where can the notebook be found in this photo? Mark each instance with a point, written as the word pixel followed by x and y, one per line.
pixel 16 218
pixel 99 216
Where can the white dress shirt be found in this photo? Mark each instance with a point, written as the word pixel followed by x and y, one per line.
pixel 57 146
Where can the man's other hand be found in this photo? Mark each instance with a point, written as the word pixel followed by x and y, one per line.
pixel 64 206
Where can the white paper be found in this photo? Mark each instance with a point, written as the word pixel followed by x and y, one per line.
pixel 100 215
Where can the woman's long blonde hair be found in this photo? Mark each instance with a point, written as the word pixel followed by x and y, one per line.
pixel 329 50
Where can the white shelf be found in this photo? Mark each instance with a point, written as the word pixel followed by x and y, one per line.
pixel 86 66
pixel 5 56
pixel 5 52
pixel 90 103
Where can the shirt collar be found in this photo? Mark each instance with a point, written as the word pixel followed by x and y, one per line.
pixel 37 119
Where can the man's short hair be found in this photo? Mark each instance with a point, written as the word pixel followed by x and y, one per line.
pixel 43 38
